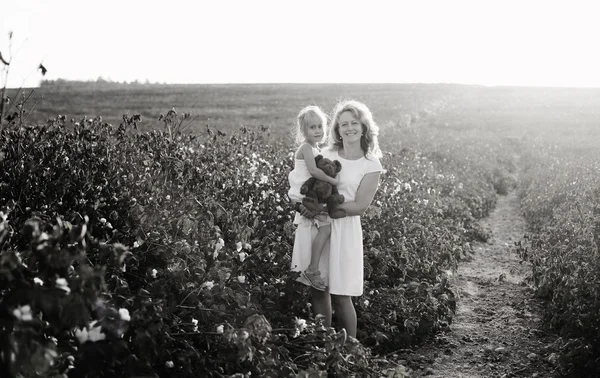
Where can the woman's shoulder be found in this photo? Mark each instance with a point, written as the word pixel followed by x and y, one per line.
pixel 373 163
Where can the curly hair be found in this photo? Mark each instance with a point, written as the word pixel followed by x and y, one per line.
pixel 368 141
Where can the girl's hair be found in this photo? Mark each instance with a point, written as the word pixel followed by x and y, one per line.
pixel 307 115
pixel 370 130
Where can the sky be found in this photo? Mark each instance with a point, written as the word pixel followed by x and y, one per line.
pixel 526 42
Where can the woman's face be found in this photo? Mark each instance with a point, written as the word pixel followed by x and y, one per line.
pixel 350 128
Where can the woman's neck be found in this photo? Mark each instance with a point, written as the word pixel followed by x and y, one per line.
pixel 352 151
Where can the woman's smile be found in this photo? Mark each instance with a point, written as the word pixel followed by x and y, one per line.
pixel 350 128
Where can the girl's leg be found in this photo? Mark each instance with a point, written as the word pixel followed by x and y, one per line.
pixel 318 245
pixel 345 313
pixel 321 305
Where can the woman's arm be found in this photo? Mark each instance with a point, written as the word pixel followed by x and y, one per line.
pixel 309 158
pixel 364 195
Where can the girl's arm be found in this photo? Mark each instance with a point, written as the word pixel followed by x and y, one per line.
pixel 364 195
pixel 309 158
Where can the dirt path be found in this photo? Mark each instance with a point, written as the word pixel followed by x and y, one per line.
pixel 497 330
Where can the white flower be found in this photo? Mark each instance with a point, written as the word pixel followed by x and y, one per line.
pixel 279 209
pixel 82 335
pixel 241 279
pixel 220 329
pixel 23 313
pixel 247 247
pixel 366 303
pixel 109 225
pixel 238 246
pixel 300 324
pixel 244 335
pixel 95 334
pixel 208 284
pixel 168 197
pixel 242 256
pixel 154 273
pixel 62 284
pixel 407 187
pixel 38 281
pixel 124 313
pixel 136 244
pixel 103 220
pixel 219 245
pixel 169 364
pixel 425 202
pixel 195 323
pixel 264 179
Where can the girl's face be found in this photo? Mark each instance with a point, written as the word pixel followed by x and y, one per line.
pixel 314 131
pixel 350 128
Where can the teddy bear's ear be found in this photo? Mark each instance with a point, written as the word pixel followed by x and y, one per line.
pixel 318 158
pixel 338 166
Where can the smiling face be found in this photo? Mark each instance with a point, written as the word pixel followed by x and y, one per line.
pixel 350 128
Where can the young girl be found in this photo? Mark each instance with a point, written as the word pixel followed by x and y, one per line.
pixel 311 129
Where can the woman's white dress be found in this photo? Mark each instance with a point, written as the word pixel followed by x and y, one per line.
pixel 341 264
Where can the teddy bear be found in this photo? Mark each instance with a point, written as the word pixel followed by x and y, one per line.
pixel 316 191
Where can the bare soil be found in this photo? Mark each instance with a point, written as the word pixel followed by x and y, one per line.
pixel 498 329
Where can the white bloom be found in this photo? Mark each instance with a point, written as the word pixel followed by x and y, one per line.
pixel 407 187
pixel 264 179
pixel 38 281
pixel 168 197
pixel 279 209
pixel 109 225
pixel 23 313
pixel 425 202
pixel 136 244
pixel 244 335
pixel 82 335
pixel 124 313
pixel 154 273
pixel 300 324
pixel 220 329
pixel 241 279
pixel 95 334
pixel 247 247
pixel 169 364
pixel 242 256
pixel 366 303
pixel 62 284
pixel 102 220
pixel 219 245
pixel 194 321
pixel 208 284
pixel 238 246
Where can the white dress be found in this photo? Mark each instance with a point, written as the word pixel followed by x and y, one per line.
pixel 341 264
pixel 297 177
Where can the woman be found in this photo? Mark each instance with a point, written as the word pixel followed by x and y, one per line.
pixel 352 141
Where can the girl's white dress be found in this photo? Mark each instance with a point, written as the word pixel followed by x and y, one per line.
pixel 341 264
pixel 297 178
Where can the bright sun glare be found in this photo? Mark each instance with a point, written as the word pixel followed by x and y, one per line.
pixel 534 43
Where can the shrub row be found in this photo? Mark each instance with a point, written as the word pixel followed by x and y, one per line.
pixel 560 198
pixel 165 254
